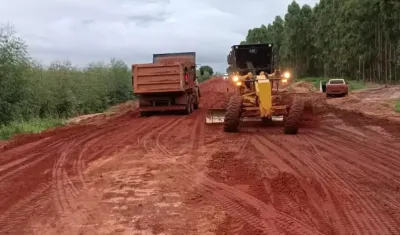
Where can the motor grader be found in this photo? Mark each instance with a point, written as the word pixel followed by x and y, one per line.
pixel 257 96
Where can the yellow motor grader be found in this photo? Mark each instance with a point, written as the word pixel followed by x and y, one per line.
pixel 257 96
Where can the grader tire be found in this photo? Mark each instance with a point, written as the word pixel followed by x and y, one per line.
pixel 226 100
pixel 233 113
pixel 294 117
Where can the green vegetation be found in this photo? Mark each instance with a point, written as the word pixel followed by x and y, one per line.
pixel 344 38
pixel 356 85
pixel 397 108
pixel 34 97
pixel 353 84
pixel 204 73
pixel 35 125
pixel 206 69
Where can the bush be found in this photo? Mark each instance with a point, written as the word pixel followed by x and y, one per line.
pixel 29 90
pixel 397 108
pixel 32 126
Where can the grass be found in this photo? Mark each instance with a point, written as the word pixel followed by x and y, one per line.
pixel 31 126
pixel 353 84
pixel 397 107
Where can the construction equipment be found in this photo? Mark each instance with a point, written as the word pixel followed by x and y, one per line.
pixel 257 96
pixel 167 84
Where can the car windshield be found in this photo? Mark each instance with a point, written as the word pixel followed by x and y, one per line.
pixel 336 82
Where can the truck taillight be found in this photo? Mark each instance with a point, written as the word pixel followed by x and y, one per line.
pixel 186 77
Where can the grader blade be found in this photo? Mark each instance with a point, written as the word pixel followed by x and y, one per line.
pixel 215 116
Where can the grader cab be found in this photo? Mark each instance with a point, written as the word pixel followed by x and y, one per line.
pixel 258 96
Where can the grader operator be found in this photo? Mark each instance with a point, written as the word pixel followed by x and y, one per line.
pixel 258 96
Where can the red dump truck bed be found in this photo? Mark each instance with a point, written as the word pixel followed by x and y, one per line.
pixel 165 74
pixel 167 84
pixel 156 78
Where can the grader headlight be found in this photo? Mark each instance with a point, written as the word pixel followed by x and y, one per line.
pixel 235 78
pixel 286 75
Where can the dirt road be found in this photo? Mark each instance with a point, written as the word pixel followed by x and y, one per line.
pixel 175 175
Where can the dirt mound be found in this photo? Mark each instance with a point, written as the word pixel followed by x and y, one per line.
pixel 302 86
pixel 82 118
pixel 374 103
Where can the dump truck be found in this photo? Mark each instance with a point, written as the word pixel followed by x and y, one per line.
pixel 167 84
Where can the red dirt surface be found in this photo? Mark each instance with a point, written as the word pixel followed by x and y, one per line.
pixel 176 175
pixel 379 102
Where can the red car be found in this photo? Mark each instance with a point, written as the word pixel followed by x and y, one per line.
pixel 337 87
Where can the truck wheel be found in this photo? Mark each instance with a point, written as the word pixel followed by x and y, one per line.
pixel 233 114
pixel 189 105
pixel 226 101
pixel 294 117
pixel 196 103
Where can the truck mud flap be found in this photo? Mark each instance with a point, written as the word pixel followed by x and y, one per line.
pixel 215 116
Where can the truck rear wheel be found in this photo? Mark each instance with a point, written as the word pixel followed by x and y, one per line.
pixel 294 117
pixel 233 114
pixel 189 105
pixel 197 100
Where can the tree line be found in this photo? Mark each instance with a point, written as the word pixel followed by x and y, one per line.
pixel 29 90
pixel 337 38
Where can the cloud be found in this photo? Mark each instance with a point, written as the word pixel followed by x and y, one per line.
pixel 132 30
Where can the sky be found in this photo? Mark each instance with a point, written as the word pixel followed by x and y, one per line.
pixel 85 31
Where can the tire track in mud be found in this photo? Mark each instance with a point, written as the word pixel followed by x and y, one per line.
pixel 364 158
pixel 374 214
pixel 371 220
pixel 370 148
pixel 20 164
pixel 347 193
pixel 234 201
pixel 62 179
pixel 63 189
pixel 29 205
pixel 120 138
pixel 269 212
pixel 277 151
pixel 150 143
pixel 109 138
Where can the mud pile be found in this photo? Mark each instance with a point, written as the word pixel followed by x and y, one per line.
pixel 302 87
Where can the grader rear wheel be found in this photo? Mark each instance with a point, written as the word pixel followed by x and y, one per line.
pixel 294 117
pixel 233 113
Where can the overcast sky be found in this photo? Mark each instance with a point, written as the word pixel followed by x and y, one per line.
pixel 132 30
